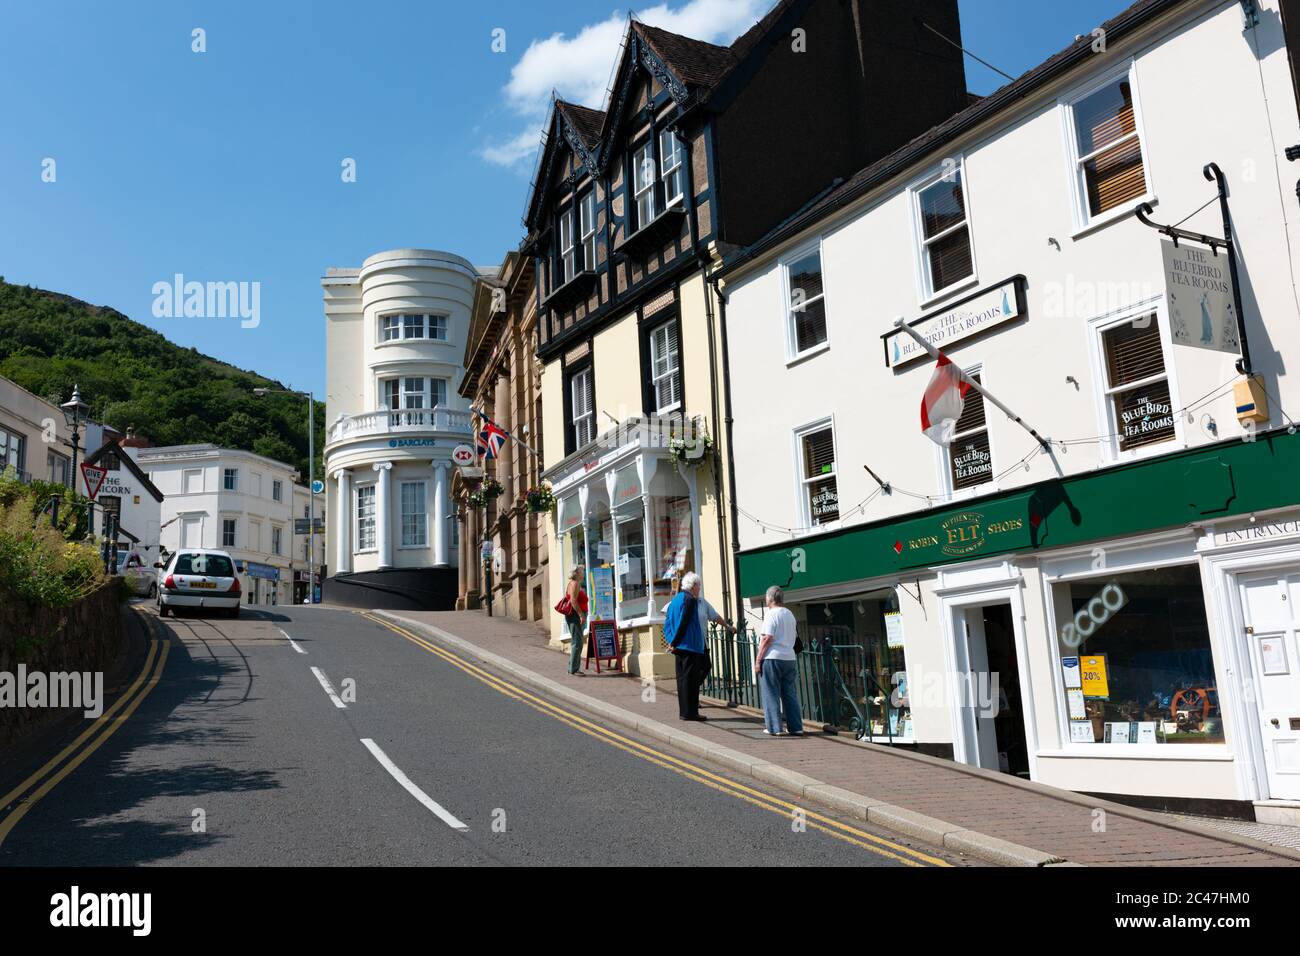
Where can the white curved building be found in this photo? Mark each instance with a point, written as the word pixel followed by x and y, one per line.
pixel 395 337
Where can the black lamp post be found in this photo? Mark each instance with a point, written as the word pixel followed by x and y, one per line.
pixel 74 412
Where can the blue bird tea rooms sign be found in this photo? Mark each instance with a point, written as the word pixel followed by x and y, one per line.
pixel 974 315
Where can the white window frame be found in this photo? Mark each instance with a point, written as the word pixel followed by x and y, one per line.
pixel 568 248
pixel 277 539
pixel 234 532
pixel 926 292
pixel 673 176
pixel 587 228
pixel 356 517
pixel 401 515
pixel 801 482
pixel 256 484
pixel 277 489
pixel 185 481
pixel 1111 453
pixel 402 332
pixel 792 353
pixel 674 369
pixel 230 479
pixel 590 416
pixel 643 158
pixel 1083 222
pixel 942 454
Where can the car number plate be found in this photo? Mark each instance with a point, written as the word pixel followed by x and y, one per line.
pixel 203 584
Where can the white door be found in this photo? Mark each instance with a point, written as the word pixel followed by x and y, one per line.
pixel 981 736
pixel 1271 624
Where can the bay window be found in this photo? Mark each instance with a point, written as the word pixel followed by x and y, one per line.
pixel 643 182
pixel 398 327
pixel 413 397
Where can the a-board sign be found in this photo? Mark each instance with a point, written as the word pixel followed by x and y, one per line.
pixel 602 643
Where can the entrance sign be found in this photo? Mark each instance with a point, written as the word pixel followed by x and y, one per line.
pixel 970 316
pixel 1201 309
pixel 93 476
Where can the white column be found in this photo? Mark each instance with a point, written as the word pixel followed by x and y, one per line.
pixel 343 522
pixel 383 515
pixel 440 531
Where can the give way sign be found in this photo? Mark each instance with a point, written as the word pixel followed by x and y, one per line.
pixel 93 476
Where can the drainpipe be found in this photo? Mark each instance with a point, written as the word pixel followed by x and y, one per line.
pixel 727 572
pixel 712 281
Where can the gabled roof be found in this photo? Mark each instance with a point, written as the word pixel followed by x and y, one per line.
pixel 693 62
pixel 131 466
pixel 587 123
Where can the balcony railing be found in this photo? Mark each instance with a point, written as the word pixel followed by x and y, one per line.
pixel 405 421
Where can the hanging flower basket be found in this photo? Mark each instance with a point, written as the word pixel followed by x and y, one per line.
pixel 476 499
pixel 492 489
pixel 691 452
pixel 540 499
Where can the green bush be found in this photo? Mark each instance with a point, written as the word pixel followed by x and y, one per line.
pixel 39 565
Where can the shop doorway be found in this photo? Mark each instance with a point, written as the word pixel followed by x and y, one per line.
pixel 1271 625
pixel 990 699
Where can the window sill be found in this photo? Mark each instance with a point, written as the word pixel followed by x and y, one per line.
pixel 1210 752
pixel 949 291
pixel 575 290
pixel 811 353
pixel 1111 216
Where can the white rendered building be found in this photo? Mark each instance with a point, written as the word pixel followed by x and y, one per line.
pixel 395 336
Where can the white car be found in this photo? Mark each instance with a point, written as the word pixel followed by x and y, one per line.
pixel 143 579
pixel 199 578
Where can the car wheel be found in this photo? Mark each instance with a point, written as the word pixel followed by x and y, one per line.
pixel 162 609
pixel 232 612
pixel 153 591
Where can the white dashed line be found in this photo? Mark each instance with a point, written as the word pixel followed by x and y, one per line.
pixel 431 804
pixel 291 641
pixel 329 688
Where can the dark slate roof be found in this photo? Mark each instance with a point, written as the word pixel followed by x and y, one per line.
pixel 586 122
pixel 694 62
pixel 978 111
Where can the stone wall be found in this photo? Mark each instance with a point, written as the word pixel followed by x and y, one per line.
pixel 86 636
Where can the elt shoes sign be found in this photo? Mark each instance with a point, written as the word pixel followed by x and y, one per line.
pixel 1201 310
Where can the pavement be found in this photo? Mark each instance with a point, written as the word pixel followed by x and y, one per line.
pixel 986 816
pixel 316 736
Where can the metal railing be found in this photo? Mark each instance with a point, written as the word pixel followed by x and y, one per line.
pixel 835 683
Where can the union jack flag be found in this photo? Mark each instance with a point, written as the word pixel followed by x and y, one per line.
pixel 491 438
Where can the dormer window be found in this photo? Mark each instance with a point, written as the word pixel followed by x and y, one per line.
pixel 643 182
pixel 671 170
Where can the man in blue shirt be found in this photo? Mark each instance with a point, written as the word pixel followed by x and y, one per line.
pixel 686 621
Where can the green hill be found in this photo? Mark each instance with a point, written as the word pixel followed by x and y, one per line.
pixel 132 376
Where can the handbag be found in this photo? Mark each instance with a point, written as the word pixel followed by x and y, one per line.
pixel 798 644
pixel 564 605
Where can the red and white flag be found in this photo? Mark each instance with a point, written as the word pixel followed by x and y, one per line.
pixel 944 399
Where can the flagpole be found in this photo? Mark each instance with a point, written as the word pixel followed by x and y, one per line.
pixel 936 354
pixel 517 441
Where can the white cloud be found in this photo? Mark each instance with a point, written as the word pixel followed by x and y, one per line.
pixel 578 67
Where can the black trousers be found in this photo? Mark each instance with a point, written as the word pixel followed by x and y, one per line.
pixel 691 671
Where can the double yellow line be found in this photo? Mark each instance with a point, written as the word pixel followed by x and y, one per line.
pixel 103 727
pixel 841 831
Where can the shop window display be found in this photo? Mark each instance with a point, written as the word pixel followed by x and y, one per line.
pixel 1136 664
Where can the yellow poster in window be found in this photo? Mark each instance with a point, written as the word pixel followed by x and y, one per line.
pixel 1092 669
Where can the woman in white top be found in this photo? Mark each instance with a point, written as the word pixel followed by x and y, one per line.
pixel 776 667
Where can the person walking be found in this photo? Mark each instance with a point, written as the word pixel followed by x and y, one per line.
pixel 777 669
pixel 576 598
pixel 686 620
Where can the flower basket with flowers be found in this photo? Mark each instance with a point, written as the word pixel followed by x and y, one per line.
pixel 540 498
pixel 691 452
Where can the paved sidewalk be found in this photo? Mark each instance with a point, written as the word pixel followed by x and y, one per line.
pixel 1057 823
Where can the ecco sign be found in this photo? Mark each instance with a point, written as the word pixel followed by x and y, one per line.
pixel 1100 609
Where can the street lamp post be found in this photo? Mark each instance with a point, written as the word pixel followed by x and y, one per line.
pixel 74 412
pixel 311 484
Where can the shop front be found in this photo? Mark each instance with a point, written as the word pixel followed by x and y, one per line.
pixel 631 514
pixel 1085 632
pixel 261 582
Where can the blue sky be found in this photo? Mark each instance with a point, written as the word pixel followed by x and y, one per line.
pixel 225 165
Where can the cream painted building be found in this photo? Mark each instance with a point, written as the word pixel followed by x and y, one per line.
pixel 395 337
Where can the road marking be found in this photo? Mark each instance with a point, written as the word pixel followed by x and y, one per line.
pixel 411 788
pixel 758 798
pixel 329 688
pixel 110 726
pixel 291 641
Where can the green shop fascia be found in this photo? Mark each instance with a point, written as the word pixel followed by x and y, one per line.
pixel 1233 477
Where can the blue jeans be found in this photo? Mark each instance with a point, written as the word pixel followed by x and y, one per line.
pixel 779 694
